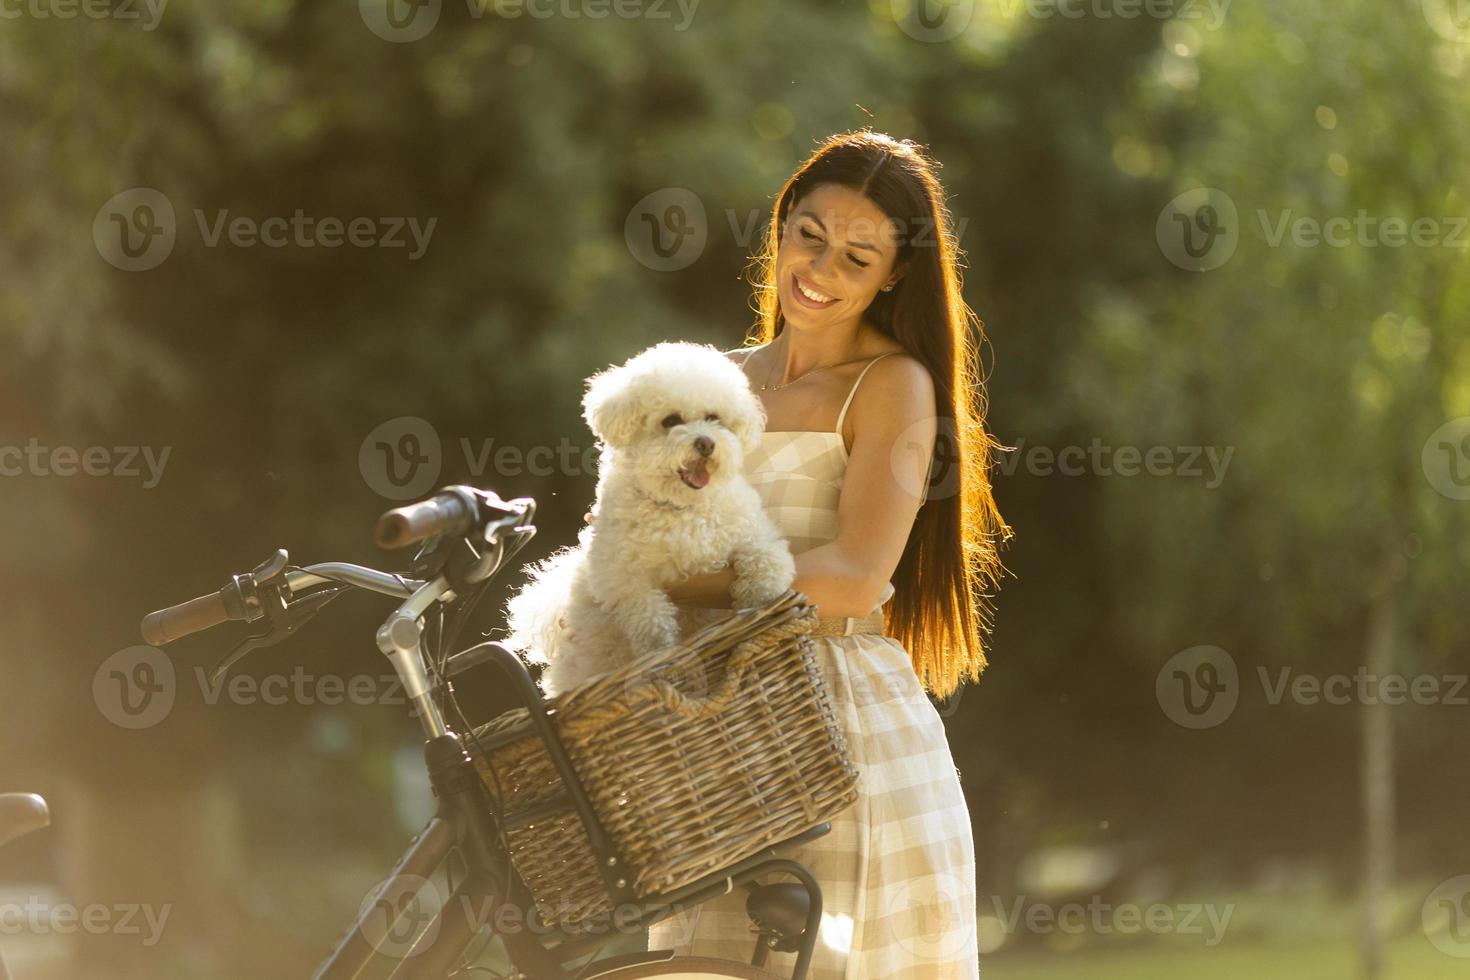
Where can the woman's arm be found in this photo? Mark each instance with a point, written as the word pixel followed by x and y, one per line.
pixel 894 430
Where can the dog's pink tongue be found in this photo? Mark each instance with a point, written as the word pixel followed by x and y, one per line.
pixel 695 474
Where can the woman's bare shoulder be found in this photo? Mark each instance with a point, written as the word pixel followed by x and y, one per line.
pixel 740 354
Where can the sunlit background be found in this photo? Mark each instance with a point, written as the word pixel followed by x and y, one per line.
pixel 1220 252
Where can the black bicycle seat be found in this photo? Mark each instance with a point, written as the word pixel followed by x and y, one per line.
pixel 21 813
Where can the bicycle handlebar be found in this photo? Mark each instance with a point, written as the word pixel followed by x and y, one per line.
pixel 454 511
pixel 176 622
pixel 449 512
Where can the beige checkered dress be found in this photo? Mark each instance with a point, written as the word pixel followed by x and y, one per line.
pixel 898 869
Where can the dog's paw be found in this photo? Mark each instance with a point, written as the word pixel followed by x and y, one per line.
pixel 762 577
pixel 754 593
pixel 647 637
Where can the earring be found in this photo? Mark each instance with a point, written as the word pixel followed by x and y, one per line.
pixel 888 288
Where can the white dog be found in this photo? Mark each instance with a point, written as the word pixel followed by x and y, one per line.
pixel 674 424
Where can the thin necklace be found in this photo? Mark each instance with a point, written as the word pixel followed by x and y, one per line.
pixel 770 387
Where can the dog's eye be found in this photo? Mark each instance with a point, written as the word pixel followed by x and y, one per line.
pixel 672 420
pixel 711 417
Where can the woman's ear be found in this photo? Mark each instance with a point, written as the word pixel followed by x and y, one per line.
pixel 612 409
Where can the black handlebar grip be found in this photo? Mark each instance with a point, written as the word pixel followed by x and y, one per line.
pixel 167 625
pixel 445 513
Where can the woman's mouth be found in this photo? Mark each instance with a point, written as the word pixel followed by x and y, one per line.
pixel 696 474
pixel 811 298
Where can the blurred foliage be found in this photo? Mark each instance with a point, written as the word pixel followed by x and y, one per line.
pixel 528 140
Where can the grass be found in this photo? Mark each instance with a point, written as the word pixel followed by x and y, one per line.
pixel 1409 958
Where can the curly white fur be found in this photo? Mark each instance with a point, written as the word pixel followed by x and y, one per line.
pixel 595 606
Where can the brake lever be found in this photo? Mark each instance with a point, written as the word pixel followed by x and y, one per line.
pixel 285 618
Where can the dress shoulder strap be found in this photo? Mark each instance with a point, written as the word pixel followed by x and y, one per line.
pixel 843 414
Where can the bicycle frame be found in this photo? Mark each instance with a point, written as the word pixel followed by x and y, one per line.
pixel 466 821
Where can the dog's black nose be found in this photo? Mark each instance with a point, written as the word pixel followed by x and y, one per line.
pixel 704 445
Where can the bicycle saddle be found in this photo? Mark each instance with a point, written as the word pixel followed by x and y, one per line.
pixel 780 909
pixel 21 813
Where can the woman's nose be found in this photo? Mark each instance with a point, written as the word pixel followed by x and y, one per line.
pixel 704 445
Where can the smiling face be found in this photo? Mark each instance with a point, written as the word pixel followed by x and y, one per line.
pixel 838 249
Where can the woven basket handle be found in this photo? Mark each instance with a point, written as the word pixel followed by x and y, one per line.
pixel 672 699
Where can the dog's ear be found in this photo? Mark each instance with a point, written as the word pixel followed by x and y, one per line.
pixel 612 407
pixel 749 421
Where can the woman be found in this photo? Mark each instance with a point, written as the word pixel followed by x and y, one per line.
pixel 867 363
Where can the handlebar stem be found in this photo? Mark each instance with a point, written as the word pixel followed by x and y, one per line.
pixel 400 638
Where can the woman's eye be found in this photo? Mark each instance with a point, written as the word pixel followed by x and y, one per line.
pixel 857 261
pixel 807 234
pixel 672 420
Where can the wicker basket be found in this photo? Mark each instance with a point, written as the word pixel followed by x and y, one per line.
pixel 693 758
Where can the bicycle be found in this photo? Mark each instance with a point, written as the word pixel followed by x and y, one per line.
pixel 20 814
pixel 465 536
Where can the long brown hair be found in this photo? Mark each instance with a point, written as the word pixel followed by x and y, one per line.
pixel 942 596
